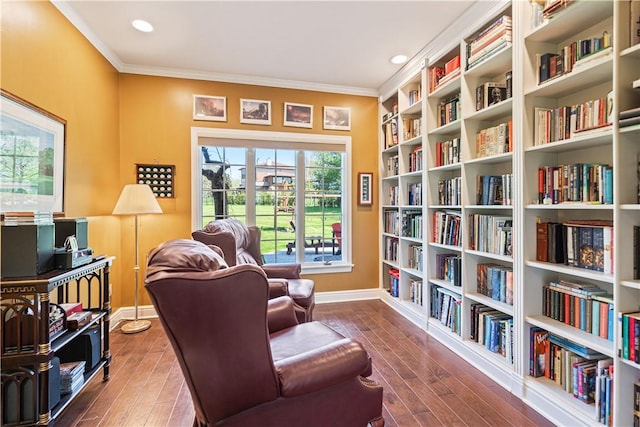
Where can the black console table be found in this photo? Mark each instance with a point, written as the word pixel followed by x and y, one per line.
pixel 27 348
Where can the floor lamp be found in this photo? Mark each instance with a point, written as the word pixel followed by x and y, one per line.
pixel 136 199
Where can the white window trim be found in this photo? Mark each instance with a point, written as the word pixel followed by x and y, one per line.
pixel 290 137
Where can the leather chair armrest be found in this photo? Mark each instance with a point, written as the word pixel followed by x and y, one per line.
pixel 281 314
pixel 321 368
pixel 278 287
pixel 284 271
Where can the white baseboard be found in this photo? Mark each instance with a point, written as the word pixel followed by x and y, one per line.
pixel 148 311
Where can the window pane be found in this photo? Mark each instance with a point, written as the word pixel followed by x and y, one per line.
pixel 223 183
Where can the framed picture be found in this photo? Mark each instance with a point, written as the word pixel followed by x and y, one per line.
pixel 337 118
pixel 365 188
pixel 298 115
pixel 31 158
pixel 255 112
pixel 212 108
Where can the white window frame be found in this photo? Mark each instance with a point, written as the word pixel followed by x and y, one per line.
pixel 343 266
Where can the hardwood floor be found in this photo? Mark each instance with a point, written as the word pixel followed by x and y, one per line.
pixel 425 384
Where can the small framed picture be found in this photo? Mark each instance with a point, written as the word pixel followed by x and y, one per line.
pixel 365 188
pixel 255 112
pixel 337 118
pixel 298 115
pixel 213 108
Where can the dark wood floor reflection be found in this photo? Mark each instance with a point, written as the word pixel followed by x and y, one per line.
pixel 425 384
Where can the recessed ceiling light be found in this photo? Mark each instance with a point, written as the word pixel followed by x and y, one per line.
pixel 142 25
pixel 398 59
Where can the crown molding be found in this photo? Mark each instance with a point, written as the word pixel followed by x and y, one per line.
pixel 248 80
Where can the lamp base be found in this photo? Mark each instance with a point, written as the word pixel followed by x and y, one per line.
pixel 135 326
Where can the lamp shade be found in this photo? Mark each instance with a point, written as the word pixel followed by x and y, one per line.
pixel 137 199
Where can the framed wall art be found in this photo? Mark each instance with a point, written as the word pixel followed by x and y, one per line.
pixel 255 112
pixel 337 118
pixel 298 115
pixel 365 188
pixel 31 158
pixel 159 177
pixel 212 108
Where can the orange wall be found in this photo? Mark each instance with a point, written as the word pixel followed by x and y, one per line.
pixel 156 121
pixel 116 120
pixel 47 62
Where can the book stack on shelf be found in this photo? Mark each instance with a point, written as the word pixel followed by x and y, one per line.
pixel 496 282
pixel 391 249
pixel 495 140
pixel 446 228
pixel 630 117
pixel 630 323
pixel 390 130
pixel 448 268
pixel 414 258
pixel 492 329
pixel 415 159
pixel 71 376
pixel 494 189
pixel 491 93
pixel 392 165
pixel 582 372
pixel 449 191
pixel 584 244
pixel 447 152
pixel 24 218
pixel 490 233
pixel 446 307
pixel 415 291
pixel 448 110
pixel 488 42
pixel 441 75
pixel 394 282
pixel 412 224
pixel 393 195
pixel 412 127
pixel 561 123
pixel 575 183
pixel 391 222
pixel 414 193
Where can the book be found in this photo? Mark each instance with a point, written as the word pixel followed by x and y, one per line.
pixel 629 122
pixel 539 348
pixel 633 112
pixel 75 320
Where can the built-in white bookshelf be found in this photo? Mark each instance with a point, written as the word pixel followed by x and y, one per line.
pixel 504 190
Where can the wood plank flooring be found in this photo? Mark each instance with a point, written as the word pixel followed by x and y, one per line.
pixel 425 384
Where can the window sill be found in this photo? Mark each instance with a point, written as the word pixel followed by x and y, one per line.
pixel 341 267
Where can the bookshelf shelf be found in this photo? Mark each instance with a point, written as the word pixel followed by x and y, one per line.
pixel 578 336
pixel 415 108
pixel 413 141
pixel 603 80
pixel 591 73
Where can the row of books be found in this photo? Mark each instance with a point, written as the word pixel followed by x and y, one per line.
pixel 494 189
pixel 394 282
pixel 415 291
pixel 590 310
pixel 391 245
pixel 393 194
pixel 446 306
pixel 575 183
pixel 492 329
pixel 492 39
pixel 569 121
pixel 390 132
pixel 412 224
pixel 581 372
pixel 448 152
pixel 491 93
pixel 391 222
pixel 415 95
pixel 496 282
pixel 490 233
pixel 572 56
pixel 440 75
pixel 414 257
pixel 414 192
pixel 446 228
pixel 415 160
pixel 449 268
pixel 630 325
pixel 577 243
pixel 495 140
pixel 450 191
pixel 393 165
pixel 412 128
pixel 448 110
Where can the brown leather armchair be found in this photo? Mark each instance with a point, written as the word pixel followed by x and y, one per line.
pixel 241 245
pixel 246 360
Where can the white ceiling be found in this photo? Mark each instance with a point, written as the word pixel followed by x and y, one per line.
pixel 341 46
